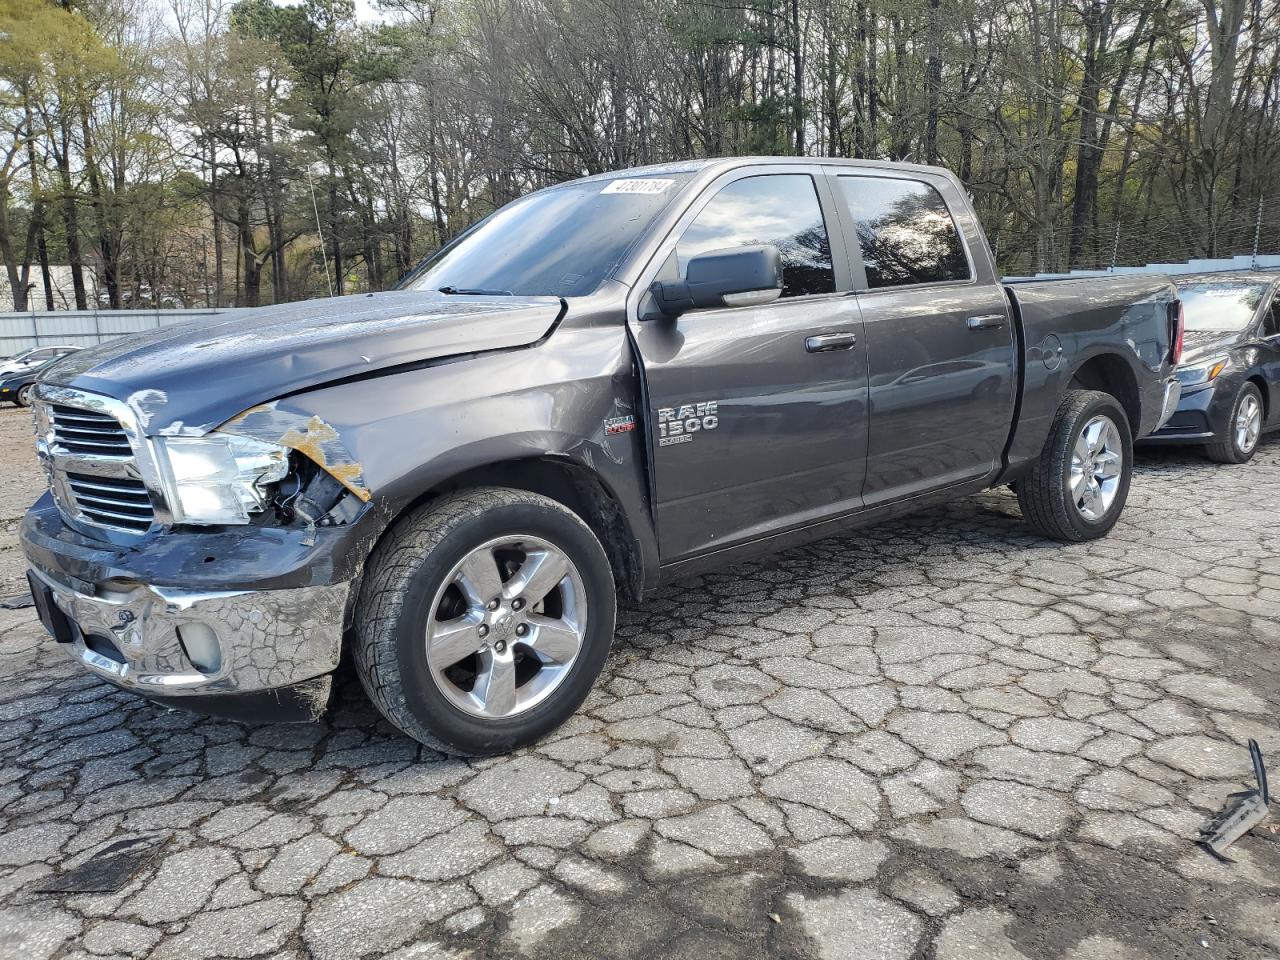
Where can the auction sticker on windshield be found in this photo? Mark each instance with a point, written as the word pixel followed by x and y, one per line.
pixel 646 185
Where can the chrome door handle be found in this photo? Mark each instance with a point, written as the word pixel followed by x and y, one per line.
pixel 988 321
pixel 826 342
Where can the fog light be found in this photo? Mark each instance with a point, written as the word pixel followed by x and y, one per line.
pixel 105 647
pixel 200 644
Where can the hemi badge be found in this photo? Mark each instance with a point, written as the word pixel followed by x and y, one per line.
pixel 619 425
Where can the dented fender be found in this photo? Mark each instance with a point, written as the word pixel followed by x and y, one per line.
pixel 396 438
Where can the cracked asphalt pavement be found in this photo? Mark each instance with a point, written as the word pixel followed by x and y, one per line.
pixel 939 738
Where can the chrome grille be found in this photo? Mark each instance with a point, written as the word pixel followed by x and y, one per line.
pixel 100 465
pixel 88 432
pixel 111 501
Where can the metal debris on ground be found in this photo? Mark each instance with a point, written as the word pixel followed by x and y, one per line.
pixel 1244 810
pixel 20 602
pixel 107 870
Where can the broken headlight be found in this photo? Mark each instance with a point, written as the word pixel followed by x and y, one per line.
pixel 220 478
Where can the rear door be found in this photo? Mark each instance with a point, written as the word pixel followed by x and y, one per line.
pixel 757 413
pixel 940 340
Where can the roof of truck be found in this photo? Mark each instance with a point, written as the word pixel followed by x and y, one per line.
pixel 695 166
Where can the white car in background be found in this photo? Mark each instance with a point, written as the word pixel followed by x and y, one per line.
pixel 32 358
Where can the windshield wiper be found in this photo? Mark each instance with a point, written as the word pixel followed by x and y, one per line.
pixel 460 292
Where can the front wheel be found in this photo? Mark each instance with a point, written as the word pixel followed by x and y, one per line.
pixel 24 395
pixel 483 619
pixel 1078 486
pixel 1243 428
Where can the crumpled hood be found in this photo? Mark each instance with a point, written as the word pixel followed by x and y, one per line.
pixel 1201 345
pixel 195 375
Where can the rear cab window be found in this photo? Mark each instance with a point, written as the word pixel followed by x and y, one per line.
pixel 906 233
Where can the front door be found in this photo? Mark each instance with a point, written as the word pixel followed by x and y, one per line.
pixel 758 413
pixel 940 340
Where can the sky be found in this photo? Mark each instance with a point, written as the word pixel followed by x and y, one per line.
pixel 367 13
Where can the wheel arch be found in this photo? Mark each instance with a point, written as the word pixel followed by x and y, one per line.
pixel 1112 374
pixel 1264 388
pixel 571 484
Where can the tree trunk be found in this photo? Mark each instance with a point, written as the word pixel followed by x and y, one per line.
pixel 71 219
pixel 901 148
pixel 219 297
pixel 106 243
pixel 252 265
pixel 17 285
pixel 797 69
pixel 933 84
pixel 273 202
pixel 1215 126
pixel 37 207
pixel 338 266
pixel 42 253
pixel 873 86
pixel 1088 156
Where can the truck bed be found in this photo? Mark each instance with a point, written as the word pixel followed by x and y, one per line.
pixel 1064 323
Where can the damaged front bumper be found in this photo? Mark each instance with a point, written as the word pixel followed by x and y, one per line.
pixel 246 653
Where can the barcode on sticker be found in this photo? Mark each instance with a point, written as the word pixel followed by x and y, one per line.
pixel 647 185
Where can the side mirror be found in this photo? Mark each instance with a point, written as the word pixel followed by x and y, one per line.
pixel 738 277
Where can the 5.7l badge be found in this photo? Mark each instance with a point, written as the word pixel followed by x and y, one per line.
pixel 681 424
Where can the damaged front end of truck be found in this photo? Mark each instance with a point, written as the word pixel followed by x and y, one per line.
pixel 245 518
pixel 199 546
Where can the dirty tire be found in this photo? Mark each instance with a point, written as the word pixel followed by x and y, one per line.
pixel 401 581
pixel 24 395
pixel 1228 450
pixel 1044 492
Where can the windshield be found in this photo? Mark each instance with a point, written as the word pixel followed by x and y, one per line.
pixel 1220 305
pixel 562 242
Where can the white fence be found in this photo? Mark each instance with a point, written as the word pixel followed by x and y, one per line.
pixel 83 328
pixel 1260 262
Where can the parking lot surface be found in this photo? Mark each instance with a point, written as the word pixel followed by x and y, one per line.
pixel 938 738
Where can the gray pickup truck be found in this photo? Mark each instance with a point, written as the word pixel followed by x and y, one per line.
pixel 604 385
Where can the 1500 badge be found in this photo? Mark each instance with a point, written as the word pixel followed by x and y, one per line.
pixel 681 424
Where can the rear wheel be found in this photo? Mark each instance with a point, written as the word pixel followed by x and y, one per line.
pixel 1078 486
pixel 1244 428
pixel 483 620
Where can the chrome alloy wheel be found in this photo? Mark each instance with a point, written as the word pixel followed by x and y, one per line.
pixel 1248 425
pixel 506 627
pixel 1097 462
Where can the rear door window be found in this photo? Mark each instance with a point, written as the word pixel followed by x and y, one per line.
pixel 781 209
pixel 905 231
